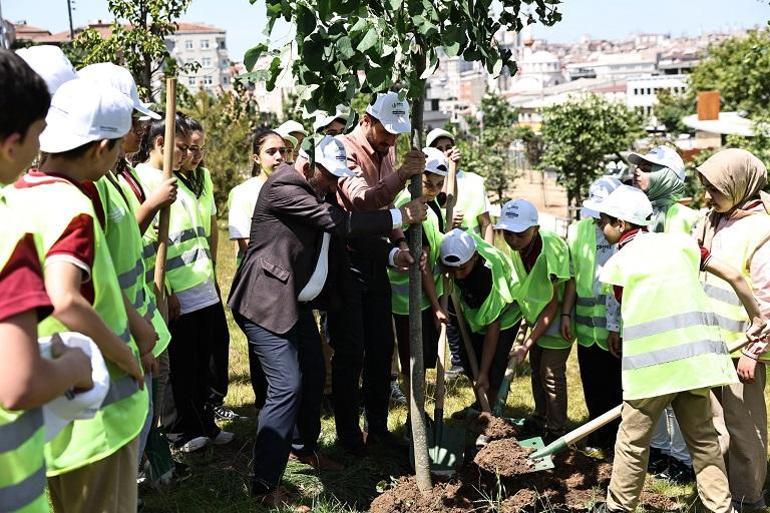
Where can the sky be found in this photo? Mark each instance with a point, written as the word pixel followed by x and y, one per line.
pixel 608 19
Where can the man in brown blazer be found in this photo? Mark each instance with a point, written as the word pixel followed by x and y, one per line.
pixel 283 271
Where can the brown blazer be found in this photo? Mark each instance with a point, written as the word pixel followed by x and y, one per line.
pixel 285 241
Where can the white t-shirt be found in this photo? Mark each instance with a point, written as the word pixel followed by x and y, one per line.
pixel 241 202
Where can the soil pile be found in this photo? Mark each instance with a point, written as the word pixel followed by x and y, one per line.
pixel 505 457
pixel 494 428
pixel 501 472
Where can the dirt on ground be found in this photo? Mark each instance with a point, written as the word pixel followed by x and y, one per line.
pixel 494 428
pixel 502 474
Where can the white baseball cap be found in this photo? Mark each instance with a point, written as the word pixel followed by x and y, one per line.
pixel 289 127
pixel 82 111
pixel 392 112
pixel 437 133
pixel 517 215
pixel 628 204
pixel 67 408
pixel 598 192
pixel 665 156
pixel 456 248
pixel 330 153
pixel 49 62
pixel 324 119
pixel 291 140
pixel 435 161
pixel 120 78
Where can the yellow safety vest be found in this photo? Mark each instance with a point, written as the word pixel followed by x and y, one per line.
pixel 399 281
pixel 671 339
pixel 22 435
pixel 47 208
pixel 536 286
pixel 590 309
pixel 188 260
pixel 735 246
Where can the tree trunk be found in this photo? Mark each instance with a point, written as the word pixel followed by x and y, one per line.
pixel 417 367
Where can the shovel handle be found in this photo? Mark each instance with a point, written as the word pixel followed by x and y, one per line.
pixel 481 396
pixel 441 361
pixel 505 385
pixel 600 421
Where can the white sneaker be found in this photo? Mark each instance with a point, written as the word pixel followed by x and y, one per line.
pixel 223 438
pixel 195 444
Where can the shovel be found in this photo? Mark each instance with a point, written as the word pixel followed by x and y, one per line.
pixel 505 387
pixel 446 444
pixel 573 436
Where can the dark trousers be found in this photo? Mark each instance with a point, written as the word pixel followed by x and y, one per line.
pixel 600 373
pixel 429 340
pixel 292 364
pixel 454 337
pixel 361 330
pixel 189 352
pixel 220 358
pixel 500 359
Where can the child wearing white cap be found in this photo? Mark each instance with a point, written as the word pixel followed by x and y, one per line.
pixel 488 288
pixel 27 381
pixel 91 463
pixel 540 261
pixel 432 313
pixel 586 306
pixel 660 174
pixel 672 347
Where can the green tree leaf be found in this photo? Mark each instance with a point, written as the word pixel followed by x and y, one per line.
pixel 252 55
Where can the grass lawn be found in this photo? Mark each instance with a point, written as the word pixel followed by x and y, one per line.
pixel 220 476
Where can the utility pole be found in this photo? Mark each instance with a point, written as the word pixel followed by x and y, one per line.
pixel 69 10
pixel 4 43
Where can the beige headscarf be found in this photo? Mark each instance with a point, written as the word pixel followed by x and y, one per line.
pixel 740 176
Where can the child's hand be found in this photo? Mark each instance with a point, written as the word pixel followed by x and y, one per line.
pixel 165 194
pixel 126 361
pixel 150 364
pixel 482 383
pixel 614 344
pixel 74 358
pixel 746 368
pixel 758 329
pixel 174 308
pixel 440 317
pixel 145 337
pixel 457 218
pixel 520 353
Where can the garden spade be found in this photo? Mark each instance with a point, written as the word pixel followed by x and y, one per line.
pixel 545 453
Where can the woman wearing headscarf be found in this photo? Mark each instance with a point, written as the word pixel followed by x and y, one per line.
pixel 660 173
pixel 736 230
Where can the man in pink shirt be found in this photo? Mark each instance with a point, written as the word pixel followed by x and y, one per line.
pixel 361 331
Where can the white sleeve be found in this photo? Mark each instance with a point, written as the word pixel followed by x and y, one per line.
pixel 613 313
pixel 239 222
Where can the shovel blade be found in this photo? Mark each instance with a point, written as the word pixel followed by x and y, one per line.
pixel 537 444
pixel 446 451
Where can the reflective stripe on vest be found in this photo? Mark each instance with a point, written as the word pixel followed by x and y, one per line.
pixel 22 434
pixel 671 339
pixel 19 430
pixel 48 209
pixel 129 277
pixel 187 258
pixel 119 390
pixel 735 245
pixel 185 235
pixel 22 494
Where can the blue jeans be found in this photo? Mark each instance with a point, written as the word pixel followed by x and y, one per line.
pixel 292 363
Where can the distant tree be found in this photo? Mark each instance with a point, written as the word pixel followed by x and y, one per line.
pixel 739 68
pixel 672 107
pixel 489 154
pixel 533 144
pixel 138 40
pixel 580 134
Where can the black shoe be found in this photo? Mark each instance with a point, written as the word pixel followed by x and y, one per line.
pixel 658 462
pixel 396 394
pixel 357 449
pixel 677 472
pixel 224 413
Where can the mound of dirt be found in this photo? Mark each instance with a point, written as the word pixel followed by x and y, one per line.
pixel 494 428
pixel 575 482
pixel 405 497
pixel 505 458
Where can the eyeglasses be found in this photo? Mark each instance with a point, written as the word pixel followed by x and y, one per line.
pixel 183 148
pixel 197 149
